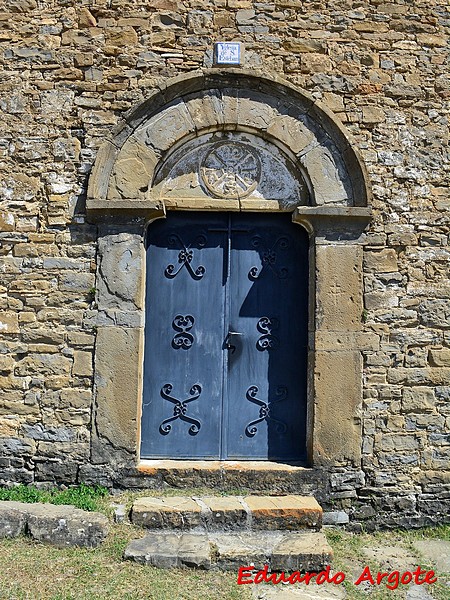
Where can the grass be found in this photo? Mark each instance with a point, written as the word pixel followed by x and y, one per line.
pixel 350 557
pixel 32 571
pixel 82 496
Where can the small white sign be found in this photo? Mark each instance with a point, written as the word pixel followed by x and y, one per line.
pixel 227 53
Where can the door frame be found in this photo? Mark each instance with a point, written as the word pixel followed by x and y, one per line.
pixel 335 224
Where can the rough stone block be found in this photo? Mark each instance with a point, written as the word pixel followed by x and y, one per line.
pixel 121 36
pixel 284 512
pixel 418 399
pixel 39 432
pixel 118 372
pixel 76 282
pixel 133 170
pixel 6 364
pixel 9 323
pixel 325 169
pixel 206 110
pixel 439 358
pixel 58 525
pixel 168 127
pixel 177 512
pixel 254 112
pixel 292 131
pixel 12 519
pixel 338 397
pixel 372 115
pixel 226 512
pixel 66 526
pixel 56 471
pixel 382 261
pixel 120 280
pixel 302 552
pixel 43 364
pixel 338 292
pixel 335 517
pixel 82 364
pixel 6 221
pixel 76 338
pixel 171 550
pixel 435 313
pixel 232 551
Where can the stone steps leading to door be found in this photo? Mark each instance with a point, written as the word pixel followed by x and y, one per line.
pixel 304 551
pixel 227 513
pixel 230 532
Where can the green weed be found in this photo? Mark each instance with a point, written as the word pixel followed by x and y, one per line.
pixel 81 496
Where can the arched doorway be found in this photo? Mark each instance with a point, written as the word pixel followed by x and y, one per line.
pixel 167 156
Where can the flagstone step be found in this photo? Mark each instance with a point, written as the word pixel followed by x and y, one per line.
pixel 304 551
pixel 212 513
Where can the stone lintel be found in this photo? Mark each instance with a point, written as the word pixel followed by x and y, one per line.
pixel 360 212
pixel 334 224
pixel 192 203
pixel 219 204
pixel 126 209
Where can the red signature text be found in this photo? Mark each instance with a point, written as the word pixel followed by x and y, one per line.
pixel 391 579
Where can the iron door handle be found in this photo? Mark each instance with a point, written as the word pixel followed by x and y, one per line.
pixel 229 346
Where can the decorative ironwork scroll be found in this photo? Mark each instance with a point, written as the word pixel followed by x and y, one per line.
pixel 180 409
pixel 264 411
pixel 184 339
pixel 185 257
pixel 269 257
pixel 267 341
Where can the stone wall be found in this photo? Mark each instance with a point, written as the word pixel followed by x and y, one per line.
pixel 69 71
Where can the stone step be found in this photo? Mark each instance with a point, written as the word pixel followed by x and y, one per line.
pixel 304 551
pixel 59 525
pixel 228 513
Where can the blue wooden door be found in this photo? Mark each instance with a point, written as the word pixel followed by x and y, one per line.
pixel 225 338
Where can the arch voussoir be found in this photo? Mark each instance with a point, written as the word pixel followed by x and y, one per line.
pixel 225 101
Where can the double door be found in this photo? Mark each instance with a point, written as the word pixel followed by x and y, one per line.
pixel 225 338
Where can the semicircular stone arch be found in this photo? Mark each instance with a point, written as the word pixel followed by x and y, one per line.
pixel 206 116
pixel 230 140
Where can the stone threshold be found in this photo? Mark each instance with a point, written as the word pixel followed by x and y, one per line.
pixel 151 467
pixel 257 475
